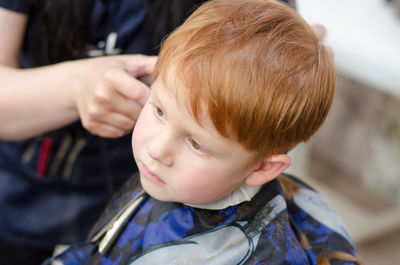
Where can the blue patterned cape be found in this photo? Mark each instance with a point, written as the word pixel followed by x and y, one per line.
pixel 286 222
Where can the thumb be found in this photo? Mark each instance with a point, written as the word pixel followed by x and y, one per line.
pixel 319 30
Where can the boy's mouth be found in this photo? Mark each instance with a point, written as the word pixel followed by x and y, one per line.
pixel 150 175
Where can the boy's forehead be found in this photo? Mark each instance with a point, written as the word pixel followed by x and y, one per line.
pixel 170 78
pixel 178 89
pixel 176 92
pixel 172 86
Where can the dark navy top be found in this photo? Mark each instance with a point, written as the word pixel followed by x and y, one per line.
pixel 56 198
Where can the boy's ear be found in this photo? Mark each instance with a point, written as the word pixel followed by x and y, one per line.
pixel 268 169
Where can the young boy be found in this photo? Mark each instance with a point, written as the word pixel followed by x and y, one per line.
pixel 236 87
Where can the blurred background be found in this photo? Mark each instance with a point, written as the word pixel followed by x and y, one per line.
pixel 354 159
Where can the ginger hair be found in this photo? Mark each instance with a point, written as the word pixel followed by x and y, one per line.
pixel 255 67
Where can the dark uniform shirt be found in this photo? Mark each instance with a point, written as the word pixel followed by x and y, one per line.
pixel 52 189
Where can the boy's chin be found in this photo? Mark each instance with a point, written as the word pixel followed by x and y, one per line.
pixel 151 192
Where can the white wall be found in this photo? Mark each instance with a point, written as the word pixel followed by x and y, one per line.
pixel 365 36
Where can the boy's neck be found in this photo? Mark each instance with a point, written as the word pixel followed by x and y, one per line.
pixel 242 194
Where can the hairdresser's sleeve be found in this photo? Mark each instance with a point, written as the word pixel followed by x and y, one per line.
pixel 290 2
pixel 21 6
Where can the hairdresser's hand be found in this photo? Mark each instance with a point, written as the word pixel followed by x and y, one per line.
pixel 108 96
pixel 320 32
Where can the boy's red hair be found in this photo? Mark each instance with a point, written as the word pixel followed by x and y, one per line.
pixel 256 68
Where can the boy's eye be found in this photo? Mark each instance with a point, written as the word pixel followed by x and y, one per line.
pixel 159 112
pixel 196 146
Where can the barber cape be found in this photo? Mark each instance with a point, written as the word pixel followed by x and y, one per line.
pixel 286 222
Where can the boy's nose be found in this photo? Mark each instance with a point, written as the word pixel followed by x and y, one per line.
pixel 161 150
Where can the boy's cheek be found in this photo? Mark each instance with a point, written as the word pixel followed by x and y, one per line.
pixel 193 179
pixel 138 130
pixel 137 137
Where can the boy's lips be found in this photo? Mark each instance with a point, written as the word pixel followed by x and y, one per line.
pixel 150 175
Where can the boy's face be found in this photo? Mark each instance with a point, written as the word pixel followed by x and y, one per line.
pixel 181 161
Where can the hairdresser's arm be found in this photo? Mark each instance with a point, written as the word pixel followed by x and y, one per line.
pixel 101 91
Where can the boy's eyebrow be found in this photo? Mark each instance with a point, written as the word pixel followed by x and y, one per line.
pixel 154 96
